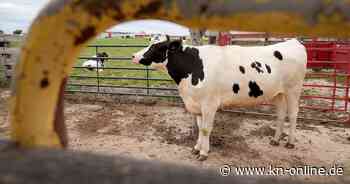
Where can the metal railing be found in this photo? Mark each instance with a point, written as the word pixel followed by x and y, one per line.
pixel 99 78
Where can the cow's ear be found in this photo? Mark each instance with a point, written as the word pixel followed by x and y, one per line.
pixel 175 45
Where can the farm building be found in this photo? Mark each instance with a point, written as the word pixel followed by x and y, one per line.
pixel 141 34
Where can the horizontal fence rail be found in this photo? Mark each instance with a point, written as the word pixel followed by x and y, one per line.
pixel 98 82
pixel 335 70
pixel 120 78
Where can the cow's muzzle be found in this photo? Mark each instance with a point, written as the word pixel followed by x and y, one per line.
pixel 135 60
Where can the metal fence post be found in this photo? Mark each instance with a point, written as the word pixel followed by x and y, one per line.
pixel 347 81
pixel 147 82
pixel 346 92
pixel 97 71
pixel 334 78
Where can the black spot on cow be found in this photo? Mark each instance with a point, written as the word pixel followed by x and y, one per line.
pixel 278 55
pixel 44 82
pixel 254 89
pixel 257 66
pixel 253 65
pixel 268 68
pixel 86 34
pixel 181 63
pixel 235 88
pixel 242 69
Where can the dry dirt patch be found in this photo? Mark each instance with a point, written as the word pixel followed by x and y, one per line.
pixel 4 124
pixel 235 139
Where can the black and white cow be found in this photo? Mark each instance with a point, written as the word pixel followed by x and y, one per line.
pixel 212 76
pixel 97 62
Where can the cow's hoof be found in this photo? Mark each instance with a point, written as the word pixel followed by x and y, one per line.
pixel 194 151
pixel 289 145
pixel 274 142
pixel 202 158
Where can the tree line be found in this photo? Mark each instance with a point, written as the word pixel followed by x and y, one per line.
pixel 15 32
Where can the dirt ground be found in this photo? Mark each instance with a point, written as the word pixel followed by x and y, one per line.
pixel 166 132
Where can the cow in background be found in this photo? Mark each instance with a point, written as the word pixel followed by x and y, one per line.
pixel 98 61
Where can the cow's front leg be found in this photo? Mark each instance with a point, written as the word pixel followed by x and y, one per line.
pixel 197 147
pixel 208 115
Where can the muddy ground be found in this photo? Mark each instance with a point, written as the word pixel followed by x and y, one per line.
pixel 163 130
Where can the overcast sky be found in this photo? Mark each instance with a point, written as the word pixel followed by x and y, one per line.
pixel 18 14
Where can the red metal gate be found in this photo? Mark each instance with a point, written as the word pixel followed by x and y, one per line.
pixel 224 38
pixel 329 72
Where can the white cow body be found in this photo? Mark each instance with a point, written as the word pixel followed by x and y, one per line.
pixel 232 76
pixel 221 69
pixel 93 64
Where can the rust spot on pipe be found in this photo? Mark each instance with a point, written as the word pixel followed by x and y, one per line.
pixel 203 8
pixel 46 72
pixel 149 9
pixel 98 8
pixel 44 83
pixel 86 34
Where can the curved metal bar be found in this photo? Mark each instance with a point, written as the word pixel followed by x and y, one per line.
pixel 73 167
pixel 64 26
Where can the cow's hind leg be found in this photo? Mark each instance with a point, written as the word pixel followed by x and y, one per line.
pixel 281 111
pixel 197 147
pixel 293 109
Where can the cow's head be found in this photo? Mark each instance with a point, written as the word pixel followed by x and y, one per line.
pixel 103 54
pixel 156 54
pixel 102 57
